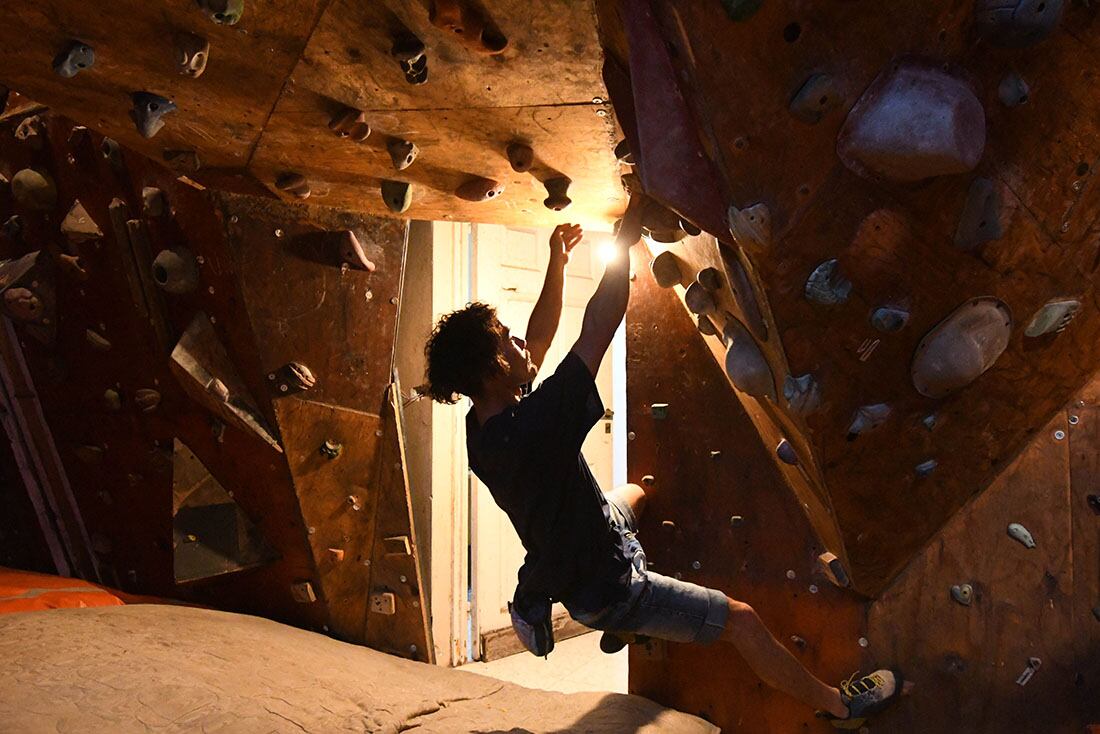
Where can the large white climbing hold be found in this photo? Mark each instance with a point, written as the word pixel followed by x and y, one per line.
pixel 962 347
pixel 914 122
pixel 1020 533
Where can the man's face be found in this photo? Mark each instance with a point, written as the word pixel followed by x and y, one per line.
pixel 521 369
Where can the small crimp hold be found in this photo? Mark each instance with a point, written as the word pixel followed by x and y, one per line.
pixel 802 394
pixel 223 12
pixel 814 99
pixel 402 153
pixel 350 123
pixel 623 153
pixel 889 319
pixel 352 252
pixel 479 189
pixel 659 411
pixel 981 216
pixel 397 195
pixel 331 449
pixel 293 378
pixel 148 112
pixel 557 190
pixel 73 59
pixel 786 453
pixel 147 399
pixel 521 157
pixel 1013 91
pixel 963 594
pixel 154 203
pixel 192 53
pixel 294 184
pixel 112 153
pixel 176 271
pixel 868 418
pixel 96 340
pixel 826 286
pixel 926 468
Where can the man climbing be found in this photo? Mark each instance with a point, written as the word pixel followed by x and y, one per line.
pixel 525 445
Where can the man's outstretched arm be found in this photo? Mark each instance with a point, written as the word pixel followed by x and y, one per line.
pixel 543 324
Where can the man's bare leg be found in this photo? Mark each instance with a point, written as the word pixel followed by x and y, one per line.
pixel 774 664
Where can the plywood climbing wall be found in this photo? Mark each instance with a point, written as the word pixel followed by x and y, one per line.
pixel 214 372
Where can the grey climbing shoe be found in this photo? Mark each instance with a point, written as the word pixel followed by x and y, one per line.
pixel 866 696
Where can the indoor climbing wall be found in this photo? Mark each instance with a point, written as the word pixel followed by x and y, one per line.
pixel 490 111
pixel 907 203
pixel 213 373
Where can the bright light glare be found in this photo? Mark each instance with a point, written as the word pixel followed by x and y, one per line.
pixel 607 252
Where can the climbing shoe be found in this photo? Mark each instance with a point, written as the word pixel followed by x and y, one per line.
pixel 865 697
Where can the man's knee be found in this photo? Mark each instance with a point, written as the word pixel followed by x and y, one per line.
pixel 634 496
pixel 742 618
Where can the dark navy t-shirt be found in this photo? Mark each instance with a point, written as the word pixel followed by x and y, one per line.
pixel 529 456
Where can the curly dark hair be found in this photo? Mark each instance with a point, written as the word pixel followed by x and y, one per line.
pixel 463 352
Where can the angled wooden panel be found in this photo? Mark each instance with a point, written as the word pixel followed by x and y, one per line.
pixel 1084 440
pixel 965 660
pixel 713 478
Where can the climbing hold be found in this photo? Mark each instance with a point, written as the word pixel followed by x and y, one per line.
pixel 192 53
pixel 741 9
pixel 218 389
pixel 1018 532
pixel 1094 502
pixel 331 449
pixel 834 570
pixel 707 327
pixel 963 594
pixel 926 468
pixel 826 286
pixel 402 153
pixel 752 227
pixel 292 378
pixel 154 204
pixel 31 131
pixel 521 157
pixel 961 347
pixel 889 319
pixel 479 33
pixel 929 421
pixel 815 98
pixel 736 521
pixel 557 190
pixel 78 226
pixel 112 400
pixel 409 51
pixel 351 251
pixel 743 292
pixel 148 111
pixel 745 364
pixel 223 12
pixel 661 224
pixel 182 161
pixel 73 266
pixel 397 196
pixel 479 189
pixel 302 592
pixel 295 184
pixel 649 480
pixel 111 153
pixel 34 190
pixel 1013 90
pixel 13 228
pixel 699 300
pixel 802 394
pixel 147 399
pixel 709 278
pixel 914 122
pixel 73 59
pixel 981 216
pixel 1053 317
pixel 350 123
pixel 97 341
pixel 666 269
pixel 786 453
pixel 22 304
pixel 1017 23
pixel 690 229
pixel 623 153
pixel 89 454
pixel 176 271
pixel 659 411
pixel 1033 664
pixel 868 418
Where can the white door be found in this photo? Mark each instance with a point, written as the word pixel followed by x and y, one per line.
pixel 510 266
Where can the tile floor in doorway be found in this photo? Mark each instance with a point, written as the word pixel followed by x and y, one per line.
pixel 575 665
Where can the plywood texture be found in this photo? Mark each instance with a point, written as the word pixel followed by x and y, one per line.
pixel 700 492
pixel 895 242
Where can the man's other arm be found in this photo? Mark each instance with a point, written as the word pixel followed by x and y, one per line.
pixel 543 324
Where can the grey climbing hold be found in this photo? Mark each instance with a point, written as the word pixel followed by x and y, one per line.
pixel 962 593
pixel 479 189
pixel 557 193
pixel 223 12
pixel 294 184
pixel 149 111
pixel 153 202
pixel 710 278
pixel 411 56
pixel 741 9
pixel 649 480
pixel 34 190
pixel 981 216
pixel 78 226
pixel 706 326
pixel 802 394
pixel 1033 664
pixel 97 341
pixel 961 347
pixel 1013 90
pixel 1053 317
pixel 924 469
pixel 520 157
pixel 736 521
pixel 826 286
pixel 1019 533
pixel 147 399
pixel 293 378
pixel 176 271
pixel 192 53
pixel 331 449
pixel 699 300
pixel 751 227
pixel 352 252
pixel 1017 23
pixel 667 270
pixel 350 123
pixel 786 453
pixel 112 400
pixel 914 122
pixel 868 418
pixel 815 98
pixel 889 319
pixel 402 153
pixel 112 153
pixel 659 411
pixel 929 421
pixel 746 366
pixel 397 195
pixel 73 59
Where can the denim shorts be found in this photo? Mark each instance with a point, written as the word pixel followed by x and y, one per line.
pixel 657 606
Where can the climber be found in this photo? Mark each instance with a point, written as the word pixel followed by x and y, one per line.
pixel 525 445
